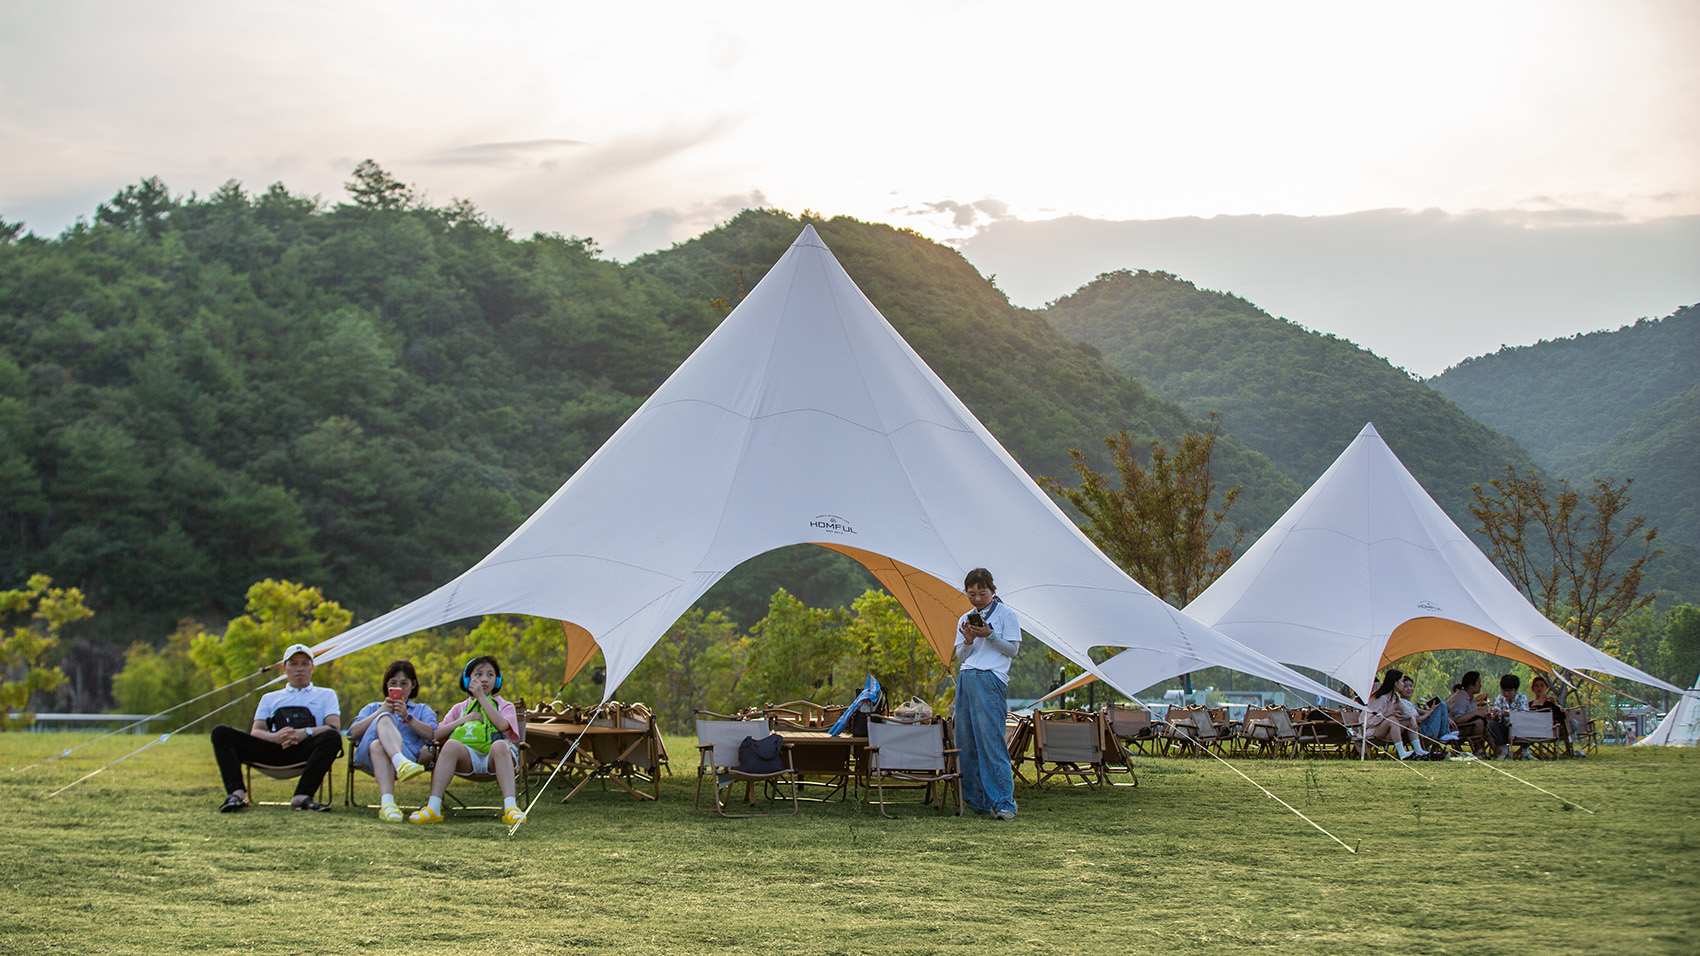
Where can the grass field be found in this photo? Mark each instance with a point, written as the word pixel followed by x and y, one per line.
pixel 1195 860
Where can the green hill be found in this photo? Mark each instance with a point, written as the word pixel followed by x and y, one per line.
pixel 1624 404
pixel 1297 396
pixel 1565 398
pixel 196 393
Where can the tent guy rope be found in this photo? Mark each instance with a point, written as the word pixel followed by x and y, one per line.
pixel 151 717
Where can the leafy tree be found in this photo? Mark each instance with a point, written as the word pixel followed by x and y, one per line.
pixel 142 207
pixel 1564 556
pixel 795 651
pixel 156 679
pixel 893 649
pixel 1161 525
pixel 697 665
pixel 280 613
pixel 374 188
pixel 1680 647
pixel 23 652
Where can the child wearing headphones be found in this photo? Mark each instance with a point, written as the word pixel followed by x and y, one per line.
pixel 478 735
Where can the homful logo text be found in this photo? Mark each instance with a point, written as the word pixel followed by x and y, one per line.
pixel 832 523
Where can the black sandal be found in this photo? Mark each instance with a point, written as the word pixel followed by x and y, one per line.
pixel 313 805
pixel 233 804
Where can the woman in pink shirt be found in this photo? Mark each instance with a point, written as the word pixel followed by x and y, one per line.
pixel 1387 720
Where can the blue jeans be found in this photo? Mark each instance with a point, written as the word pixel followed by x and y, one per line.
pixel 1436 725
pixel 988 782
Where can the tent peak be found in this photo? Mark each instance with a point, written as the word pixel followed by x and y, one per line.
pixel 808 237
pixel 1369 430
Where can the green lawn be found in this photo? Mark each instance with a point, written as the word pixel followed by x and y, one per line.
pixel 1194 860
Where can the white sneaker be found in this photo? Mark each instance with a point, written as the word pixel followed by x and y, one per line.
pixel 1402 750
pixel 1449 736
pixel 1005 815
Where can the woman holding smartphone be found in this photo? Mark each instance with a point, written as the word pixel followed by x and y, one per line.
pixel 987 639
pixel 389 734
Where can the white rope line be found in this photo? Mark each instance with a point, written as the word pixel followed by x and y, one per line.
pixel 150 744
pixel 1254 783
pixel 562 762
pixel 144 720
pixel 1248 779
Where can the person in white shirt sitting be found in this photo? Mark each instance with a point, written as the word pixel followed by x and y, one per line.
pixel 299 723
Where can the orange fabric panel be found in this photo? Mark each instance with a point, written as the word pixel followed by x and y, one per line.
pixel 1421 634
pixel 580 648
pixel 933 605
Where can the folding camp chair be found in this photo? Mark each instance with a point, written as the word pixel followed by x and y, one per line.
pixel 1068 744
pixel 1133 728
pixel 915 755
pixel 1534 729
pixel 1473 734
pixel 1584 733
pixel 1117 757
pixel 1018 740
pixel 718 742
pixel 1271 731
pixel 1194 730
pixel 1325 734
pixel 327 787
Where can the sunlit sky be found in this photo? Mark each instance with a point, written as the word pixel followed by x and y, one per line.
pixel 640 125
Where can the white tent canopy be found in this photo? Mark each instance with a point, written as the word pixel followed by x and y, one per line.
pixel 1365 569
pixel 1681 727
pixel 805 418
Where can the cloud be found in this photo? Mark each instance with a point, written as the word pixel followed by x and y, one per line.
pixel 1423 288
pixel 969 215
pixel 662 227
pixel 527 152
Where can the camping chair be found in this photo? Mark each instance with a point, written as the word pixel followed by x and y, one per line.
pixel 327 787
pixel 624 758
pixel 916 756
pixel 1117 758
pixel 718 741
pixel 1473 734
pixel 1194 730
pixel 1018 740
pixel 1068 744
pixel 1325 734
pixel 802 715
pixel 1534 729
pixel 1584 733
pixel 1271 731
pixel 1133 728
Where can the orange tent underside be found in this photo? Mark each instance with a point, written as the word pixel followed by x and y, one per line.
pixel 933 605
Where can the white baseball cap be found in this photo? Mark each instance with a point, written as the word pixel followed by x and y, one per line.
pixel 295 649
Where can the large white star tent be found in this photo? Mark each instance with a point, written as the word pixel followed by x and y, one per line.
pixel 806 419
pixel 1365 569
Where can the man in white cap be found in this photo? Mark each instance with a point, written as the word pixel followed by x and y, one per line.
pixel 299 723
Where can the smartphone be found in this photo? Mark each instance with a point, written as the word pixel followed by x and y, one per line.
pixel 398 694
pixel 975 619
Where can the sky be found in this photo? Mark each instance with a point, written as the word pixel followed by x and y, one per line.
pixel 1430 180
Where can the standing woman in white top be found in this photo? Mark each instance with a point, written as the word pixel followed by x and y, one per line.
pixel 986 641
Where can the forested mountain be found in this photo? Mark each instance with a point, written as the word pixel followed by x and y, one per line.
pixel 196 393
pixel 1297 396
pixel 1620 403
